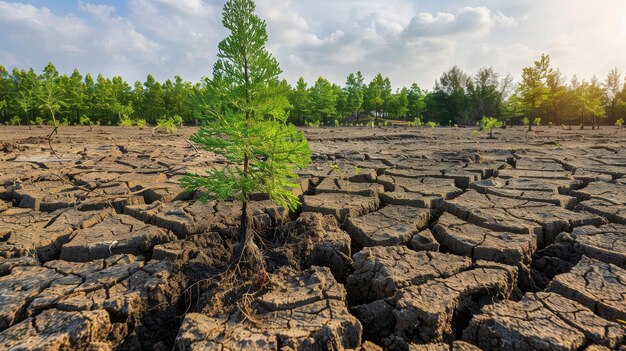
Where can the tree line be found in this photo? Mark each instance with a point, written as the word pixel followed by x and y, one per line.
pixel 543 95
pixel 28 97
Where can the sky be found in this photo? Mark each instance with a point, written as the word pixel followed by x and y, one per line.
pixel 410 41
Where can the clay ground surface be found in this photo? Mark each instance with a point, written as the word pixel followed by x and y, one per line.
pixel 406 239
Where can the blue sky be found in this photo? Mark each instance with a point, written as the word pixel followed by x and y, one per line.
pixel 407 40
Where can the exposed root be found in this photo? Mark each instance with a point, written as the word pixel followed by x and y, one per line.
pixel 50 141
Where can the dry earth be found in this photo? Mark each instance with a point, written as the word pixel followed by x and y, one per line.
pixel 407 239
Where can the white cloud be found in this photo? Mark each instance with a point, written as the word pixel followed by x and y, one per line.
pixel 407 40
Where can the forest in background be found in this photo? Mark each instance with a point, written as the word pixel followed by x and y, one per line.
pixel 458 98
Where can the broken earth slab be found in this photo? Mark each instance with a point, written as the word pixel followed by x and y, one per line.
pixel 434 311
pixel 595 284
pixel 314 240
pixel 499 187
pixel 610 192
pixel 540 321
pixel 60 330
pixel 518 216
pixel 31 233
pixel 339 186
pixel 524 173
pixel 428 186
pixel 116 234
pixel 614 213
pixel 538 164
pixel 462 238
pixel 340 205
pixel 553 260
pixel 391 225
pixel 404 198
pixel 454 346
pixel 46 196
pixel 606 243
pixel 136 297
pixel 424 241
pixel 380 271
pixel 193 217
pixel 304 311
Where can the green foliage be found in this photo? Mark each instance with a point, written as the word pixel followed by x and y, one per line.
pixel 178 120
pixel 84 120
pixel 38 121
pixel 417 122
pixel 141 123
pixel 314 124
pixel 336 123
pixel 126 122
pixel 432 124
pixel 489 123
pixel 619 122
pixel 15 121
pixel 243 110
pixel 537 121
pixel 525 121
pixel 167 125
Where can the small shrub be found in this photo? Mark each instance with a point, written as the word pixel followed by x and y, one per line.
pixel 84 120
pixel 489 123
pixel 525 121
pixel 141 123
pixel 167 125
pixel 15 121
pixel 178 120
pixel 336 123
pixel 313 124
pixel 417 122
pixel 432 124
pixel 537 121
pixel 619 123
pixel 126 122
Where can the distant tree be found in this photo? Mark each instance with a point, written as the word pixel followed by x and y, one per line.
pixel 416 104
pixel 558 99
pixel 486 93
pixel 374 96
pixel 244 121
pixel 301 102
pixel 452 96
pixel 489 123
pixel 354 94
pixel 588 99
pixel 612 88
pixel 50 96
pixel 533 90
pixel 323 100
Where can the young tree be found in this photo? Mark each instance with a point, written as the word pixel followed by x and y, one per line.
pixel 354 94
pixel 301 102
pixel 375 96
pixel 416 102
pixel 50 96
pixel 451 93
pixel 244 121
pixel 323 101
pixel 533 90
pixel 489 123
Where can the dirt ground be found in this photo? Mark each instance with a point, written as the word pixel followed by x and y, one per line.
pixel 406 239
